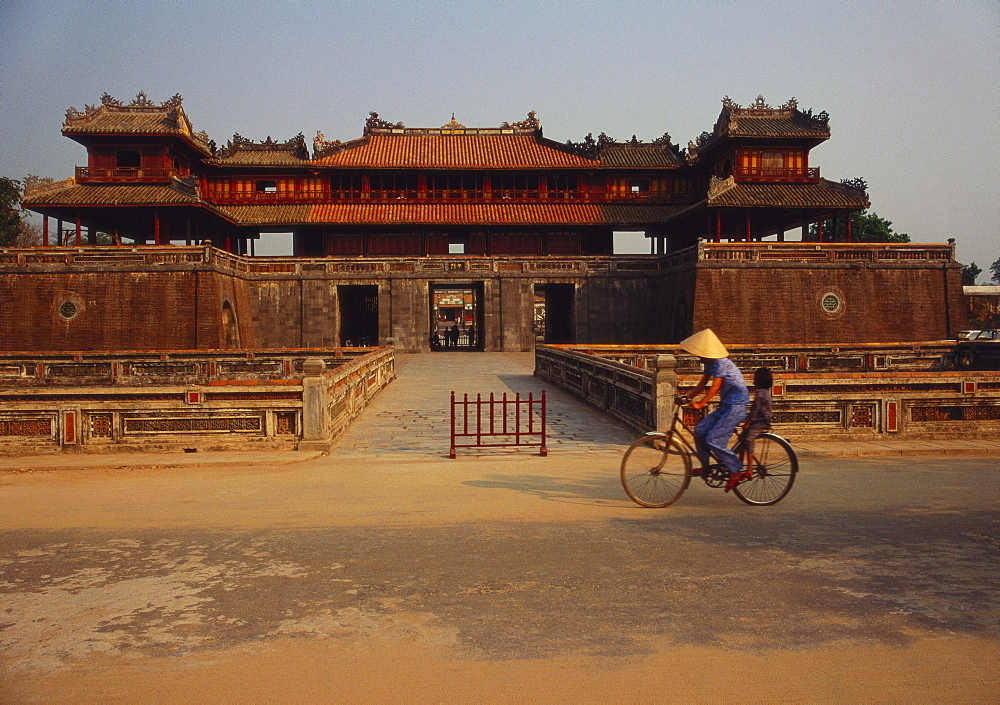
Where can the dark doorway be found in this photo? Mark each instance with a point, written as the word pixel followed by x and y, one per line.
pixel 554 318
pixel 358 316
pixel 457 317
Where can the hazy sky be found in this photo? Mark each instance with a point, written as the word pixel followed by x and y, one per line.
pixel 912 88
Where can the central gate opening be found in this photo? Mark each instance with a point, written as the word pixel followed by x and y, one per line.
pixel 457 317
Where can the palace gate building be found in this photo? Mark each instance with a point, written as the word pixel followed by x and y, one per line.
pixel 500 234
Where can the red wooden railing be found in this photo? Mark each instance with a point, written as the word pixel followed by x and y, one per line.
pixel 747 173
pixel 501 423
pixel 85 174
pixel 221 196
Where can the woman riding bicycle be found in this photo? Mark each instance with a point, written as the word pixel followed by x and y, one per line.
pixel 712 433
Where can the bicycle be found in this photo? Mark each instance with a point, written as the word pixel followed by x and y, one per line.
pixel 657 467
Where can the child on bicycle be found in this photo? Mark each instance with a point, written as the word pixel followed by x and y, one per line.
pixel 759 418
pixel 713 432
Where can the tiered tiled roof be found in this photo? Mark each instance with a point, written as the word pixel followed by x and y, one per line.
pixel 174 193
pixel 638 156
pixel 240 151
pixel 760 121
pixel 446 214
pixel 825 194
pixel 140 117
pixel 461 151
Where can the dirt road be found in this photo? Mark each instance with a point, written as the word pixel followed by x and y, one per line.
pixel 504 579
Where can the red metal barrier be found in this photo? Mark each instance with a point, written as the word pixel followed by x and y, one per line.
pixel 500 422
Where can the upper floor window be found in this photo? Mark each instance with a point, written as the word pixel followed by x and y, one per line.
pixel 562 184
pixel 128 159
pixel 772 161
pixel 394 185
pixel 267 187
pixel 516 185
pixel 454 185
pixel 639 185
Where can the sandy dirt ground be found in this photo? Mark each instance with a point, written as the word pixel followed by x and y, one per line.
pixel 497 579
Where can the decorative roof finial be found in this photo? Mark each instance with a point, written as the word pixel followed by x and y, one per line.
pixel 453 125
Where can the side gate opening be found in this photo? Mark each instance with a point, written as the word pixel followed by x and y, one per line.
pixel 554 314
pixel 358 315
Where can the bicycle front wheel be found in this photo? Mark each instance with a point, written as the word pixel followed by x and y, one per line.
pixel 655 471
pixel 774 467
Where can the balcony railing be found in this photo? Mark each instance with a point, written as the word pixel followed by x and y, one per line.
pixel 800 176
pixel 220 196
pixel 90 174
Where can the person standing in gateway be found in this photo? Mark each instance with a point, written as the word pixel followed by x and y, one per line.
pixel 714 431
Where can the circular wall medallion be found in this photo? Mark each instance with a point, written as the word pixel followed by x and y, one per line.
pixel 67 305
pixel 831 303
pixel 67 309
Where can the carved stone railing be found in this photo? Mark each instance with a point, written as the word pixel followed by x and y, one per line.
pixel 858 357
pixel 825 252
pixel 622 391
pixel 849 403
pixel 192 399
pixel 141 256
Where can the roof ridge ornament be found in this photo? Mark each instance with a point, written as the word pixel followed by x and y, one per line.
pixel 530 123
pixel 453 124
pixel 239 143
pixel 375 123
pixel 717 185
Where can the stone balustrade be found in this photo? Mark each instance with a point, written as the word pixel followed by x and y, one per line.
pixel 202 400
pixel 874 391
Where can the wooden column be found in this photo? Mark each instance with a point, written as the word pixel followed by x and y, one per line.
pixel 850 229
pixel 819 230
pixel 156 226
pixel 749 232
pixel 718 225
pixel 45 231
pixel 78 242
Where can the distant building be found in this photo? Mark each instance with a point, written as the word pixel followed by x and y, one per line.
pixel 391 228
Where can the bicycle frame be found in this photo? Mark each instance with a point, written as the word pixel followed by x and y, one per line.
pixel 685 435
pixel 657 467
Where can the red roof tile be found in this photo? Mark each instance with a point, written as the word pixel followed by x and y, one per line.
pixel 113 195
pixel 515 151
pixel 824 194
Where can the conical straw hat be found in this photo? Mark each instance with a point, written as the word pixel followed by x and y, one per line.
pixel 705 344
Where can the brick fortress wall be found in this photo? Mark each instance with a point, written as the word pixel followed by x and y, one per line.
pixel 874 300
pixel 176 298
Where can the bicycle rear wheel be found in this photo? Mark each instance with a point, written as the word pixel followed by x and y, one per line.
pixel 774 468
pixel 655 471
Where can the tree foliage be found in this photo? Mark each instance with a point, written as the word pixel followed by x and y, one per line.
pixel 10 211
pixel 865 227
pixel 969 273
pixel 995 270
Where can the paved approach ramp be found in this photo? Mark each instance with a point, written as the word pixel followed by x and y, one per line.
pixel 411 417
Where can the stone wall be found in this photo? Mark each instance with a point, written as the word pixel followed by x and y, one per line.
pixel 872 296
pixel 164 298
